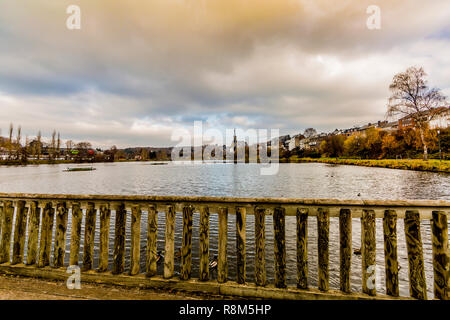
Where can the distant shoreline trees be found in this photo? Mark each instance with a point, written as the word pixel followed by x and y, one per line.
pixel 378 144
pixel 13 151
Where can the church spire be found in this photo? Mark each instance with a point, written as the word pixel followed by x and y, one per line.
pixel 235 146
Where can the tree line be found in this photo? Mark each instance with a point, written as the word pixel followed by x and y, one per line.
pixel 17 149
pixel 378 144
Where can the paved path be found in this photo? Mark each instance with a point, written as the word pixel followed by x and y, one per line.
pixel 22 288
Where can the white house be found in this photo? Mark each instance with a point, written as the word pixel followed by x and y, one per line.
pixel 441 119
pixel 294 142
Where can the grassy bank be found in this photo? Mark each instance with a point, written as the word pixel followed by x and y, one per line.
pixel 415 164
pixel 32 162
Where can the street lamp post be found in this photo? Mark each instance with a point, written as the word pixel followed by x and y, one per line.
pixel 439 141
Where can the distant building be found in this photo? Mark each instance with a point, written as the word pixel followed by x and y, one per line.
pixel 337 132
pixel 406 122
pixel 441 119
pixel 387 126
pixel 436 118
pixel 4 153
pixel 294 142
pixel 283 141
pixel 366 127
pixel 312 142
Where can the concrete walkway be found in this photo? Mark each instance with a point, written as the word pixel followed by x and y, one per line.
pixel 22 288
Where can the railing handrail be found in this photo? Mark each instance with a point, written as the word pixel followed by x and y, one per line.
pixel 291 205
pixel 439 204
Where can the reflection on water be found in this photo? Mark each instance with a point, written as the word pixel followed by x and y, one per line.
pixel 310 180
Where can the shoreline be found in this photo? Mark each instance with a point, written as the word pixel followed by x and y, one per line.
pixel 432 165
pixel 18 163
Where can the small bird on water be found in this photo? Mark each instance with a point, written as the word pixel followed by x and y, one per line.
pixel 213 263
pixel 357 252
pixel 159 257
pixel 178 254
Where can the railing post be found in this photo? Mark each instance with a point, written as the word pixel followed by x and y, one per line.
pixel 302 249
pixel 345 252
pixel 75 234
pixel 1 218
pixel 8 214
pixel 186 251
pixel 417 284
pixel 390 252
pixel 105 222
pixel 279 226
pixel 19 232
pixel 323 227
pixel 50 233
pixel 59 251
pixel 89 236
pixel 222 265
pixel 152 230
pixel 119 239
pixel 33 232
pixel 135 239
pixel 368 252
pixel 45 241
pixel 260 244
pixel 240 244
pixel 441 260
pixel 170 242
pixel 204 244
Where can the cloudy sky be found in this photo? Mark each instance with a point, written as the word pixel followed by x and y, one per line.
pixel 134 72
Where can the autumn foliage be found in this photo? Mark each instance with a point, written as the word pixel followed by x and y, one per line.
pixel 377 144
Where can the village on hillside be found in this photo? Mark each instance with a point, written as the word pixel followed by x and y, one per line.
pixel 441 120
pixel 381 139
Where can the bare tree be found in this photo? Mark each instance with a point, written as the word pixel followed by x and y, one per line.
pixel 10 142
pixel 25 150
pixel 412 98
pixel 83 148
pixel 84 145
pixel 58 146
pixel 18 142
pixel 310 132
pixel 69 146
pixel 53 147
pixel 38 145
pixel 144 154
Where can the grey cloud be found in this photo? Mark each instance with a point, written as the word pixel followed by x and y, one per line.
pixel 251 65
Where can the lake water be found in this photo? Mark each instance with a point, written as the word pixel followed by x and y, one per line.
pixel 308 180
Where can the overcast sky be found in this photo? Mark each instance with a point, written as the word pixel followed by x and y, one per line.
pixel 135 71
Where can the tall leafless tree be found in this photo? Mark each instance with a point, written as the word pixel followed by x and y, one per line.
pixel 69 146
pixel 25 151
pixel 38 145
pixel 58 146
pixel 10 142
pixel 310 132
pixel 412 98
pixel 53 146
pixel 18 143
